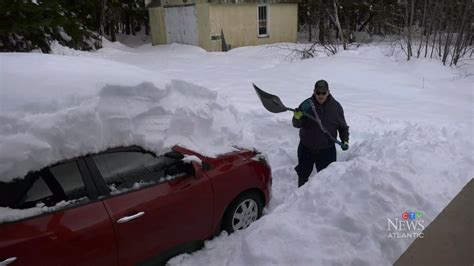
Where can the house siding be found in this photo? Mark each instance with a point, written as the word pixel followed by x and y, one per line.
pixel 283 23
pixel 204 36
pixel 157 28
pixel 238 22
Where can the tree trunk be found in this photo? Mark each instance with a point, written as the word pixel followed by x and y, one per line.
pixel 461 38
pixel 437 15
pixel 424 30
pixel 310 27
pixel 430 31
pixel 371 15
pixel 338 24
pixel 440 28
pixel 322 27
pixel 447 43
pixel 410 16
pixel 112 30
pixel 103 7
pixel 127 23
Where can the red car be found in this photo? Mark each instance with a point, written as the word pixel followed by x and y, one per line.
pixel 127 206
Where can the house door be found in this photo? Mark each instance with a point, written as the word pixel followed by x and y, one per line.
pixel 181 24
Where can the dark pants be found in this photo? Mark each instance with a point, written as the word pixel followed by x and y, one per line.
pixel 307 158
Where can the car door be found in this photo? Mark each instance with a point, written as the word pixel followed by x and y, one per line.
pixel 157 204
pixel 52 217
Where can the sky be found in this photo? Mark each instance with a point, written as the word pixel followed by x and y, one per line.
pixel 411 135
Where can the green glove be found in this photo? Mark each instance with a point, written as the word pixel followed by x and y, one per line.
pixel 298 114
pixel 345 145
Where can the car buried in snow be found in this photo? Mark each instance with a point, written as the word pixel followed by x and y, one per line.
pixel 128 206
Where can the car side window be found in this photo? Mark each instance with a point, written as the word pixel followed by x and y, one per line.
pixel 70 179
pixel 51 185
pixel 39 190
pixel 123 171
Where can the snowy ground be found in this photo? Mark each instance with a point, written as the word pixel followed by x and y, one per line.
pixel 411 124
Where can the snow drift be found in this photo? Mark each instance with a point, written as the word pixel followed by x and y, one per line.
pixel 341 215
pixel 43 122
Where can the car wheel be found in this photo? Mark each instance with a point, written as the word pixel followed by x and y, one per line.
pixel 243 211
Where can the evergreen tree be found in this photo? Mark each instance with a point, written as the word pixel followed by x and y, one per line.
pixel 30 25
pixel 35 24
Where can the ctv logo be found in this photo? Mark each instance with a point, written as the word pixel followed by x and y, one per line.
pixel 409 226
pixel 412 215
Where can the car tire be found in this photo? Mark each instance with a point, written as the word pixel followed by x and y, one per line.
pixel 243 211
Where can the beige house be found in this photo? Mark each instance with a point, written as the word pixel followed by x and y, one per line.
pixel 220 25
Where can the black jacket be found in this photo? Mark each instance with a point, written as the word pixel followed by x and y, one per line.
pixel 332 118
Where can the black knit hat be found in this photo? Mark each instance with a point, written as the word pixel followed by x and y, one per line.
pixel 321 85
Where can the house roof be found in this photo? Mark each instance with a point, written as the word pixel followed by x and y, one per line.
pixel 160 3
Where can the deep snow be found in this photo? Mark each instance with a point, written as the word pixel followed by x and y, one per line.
pixel 411 146
pixel 59 107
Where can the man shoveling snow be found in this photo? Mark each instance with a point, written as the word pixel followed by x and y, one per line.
pixel 317 137
pixel 319 118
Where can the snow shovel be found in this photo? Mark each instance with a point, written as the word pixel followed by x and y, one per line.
pixel 273 104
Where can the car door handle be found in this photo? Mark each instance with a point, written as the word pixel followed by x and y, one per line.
pixel 7 261
pixel 131 217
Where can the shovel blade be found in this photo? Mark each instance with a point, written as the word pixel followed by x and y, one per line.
pixel 271 102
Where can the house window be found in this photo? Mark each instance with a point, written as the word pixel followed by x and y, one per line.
pixel 262 21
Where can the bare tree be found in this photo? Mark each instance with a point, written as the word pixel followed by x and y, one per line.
pixel 338 24
pixel 334 16
pixel 441 29
pixel 422 28
pixel 407 35
pixel 103 6
pixel 464 35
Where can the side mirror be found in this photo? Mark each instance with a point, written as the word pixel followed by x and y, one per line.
pixel 205 166
pixel 200 168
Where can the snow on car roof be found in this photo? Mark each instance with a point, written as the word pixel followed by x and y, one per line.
pixel 58 107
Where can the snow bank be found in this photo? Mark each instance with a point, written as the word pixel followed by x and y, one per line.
pixel 341 214
pixel 67 108
pixel 411 150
